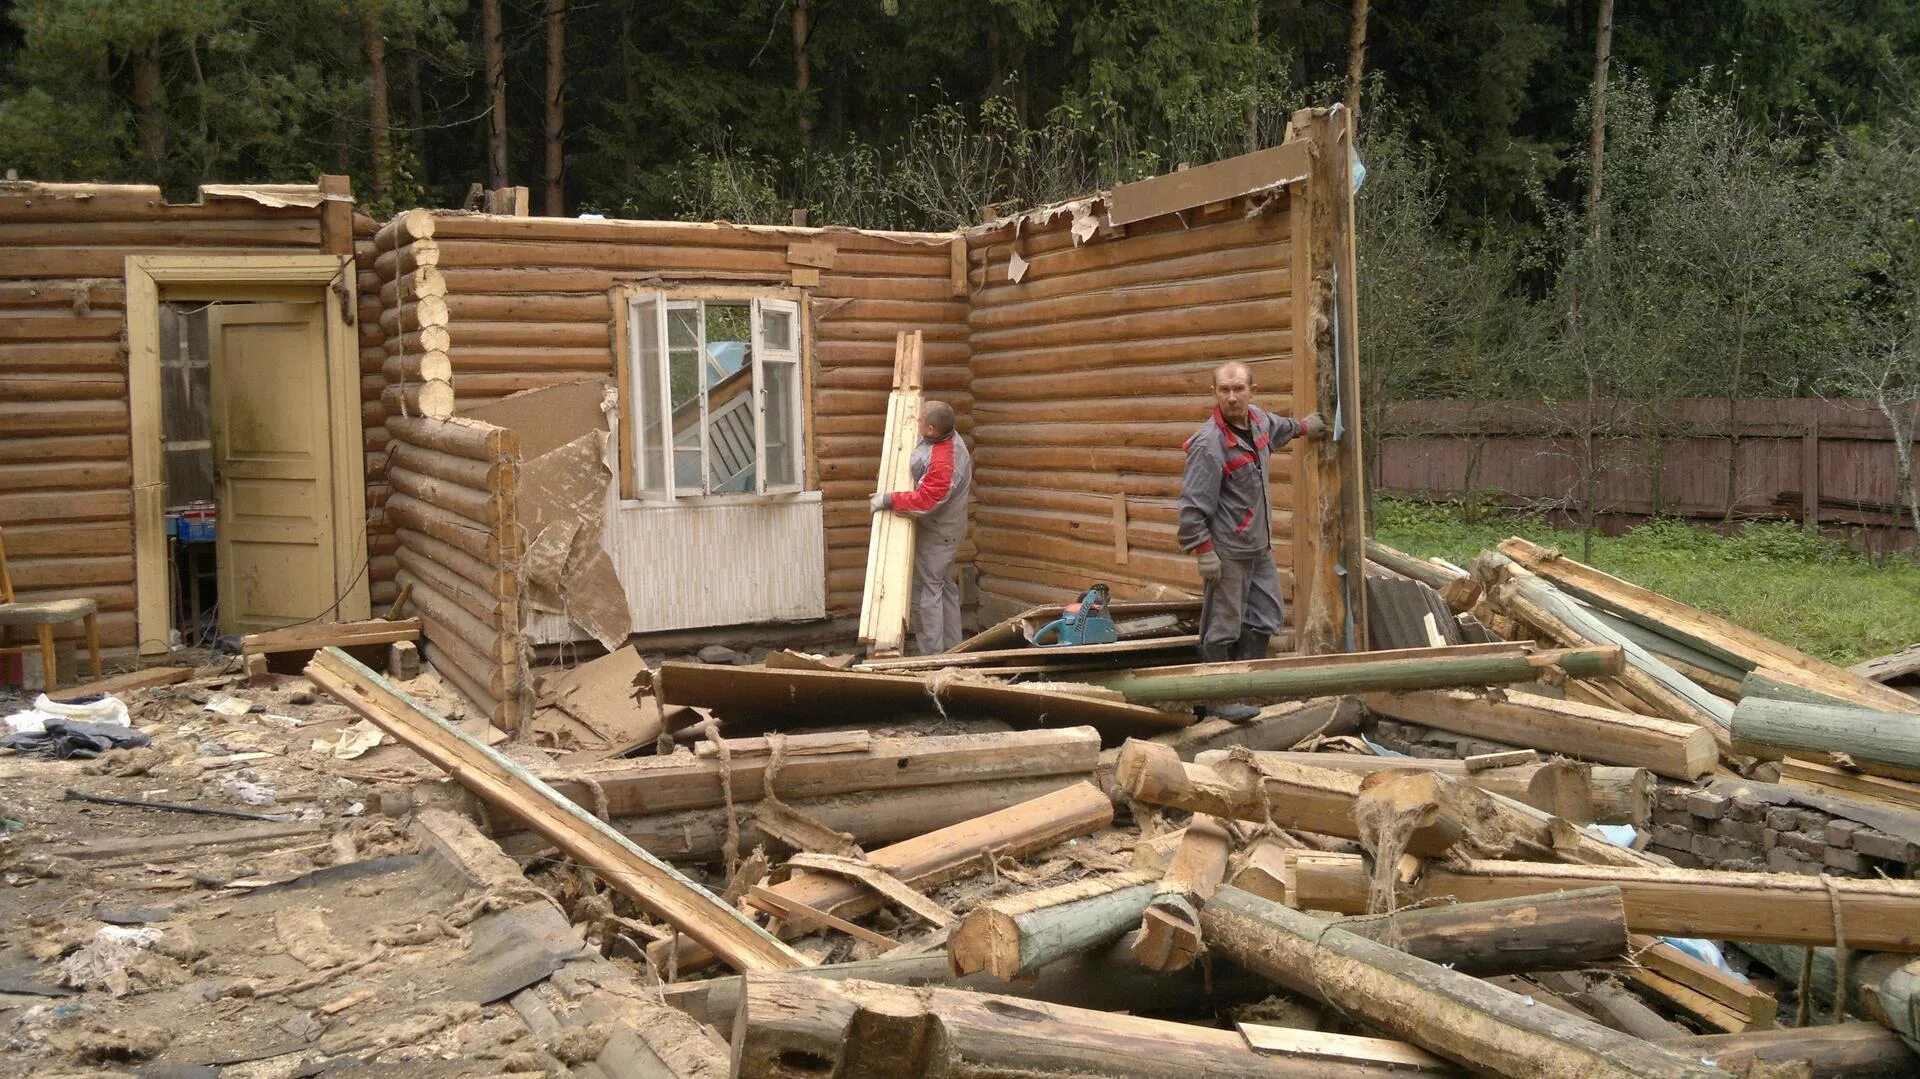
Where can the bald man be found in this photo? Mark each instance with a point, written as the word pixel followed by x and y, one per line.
pixel 943 475
pixel 1226 520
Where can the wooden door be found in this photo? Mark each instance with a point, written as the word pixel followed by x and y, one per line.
pixel 272 455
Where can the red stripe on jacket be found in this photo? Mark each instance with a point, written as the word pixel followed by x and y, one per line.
pixel 934 485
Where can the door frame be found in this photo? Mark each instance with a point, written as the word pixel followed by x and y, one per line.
pixel 326 279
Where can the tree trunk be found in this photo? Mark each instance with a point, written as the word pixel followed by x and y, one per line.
pixel 375 48
pixel 1507 936
pixel 149 105
pixel 1597 143
pixel 1253 109
pixel 416 140
pixel 495 65
pixel 1733 410
pixel 630 91
pixel 1019 935
pixel 802 68
pixel 1899 416
pixel 556 135
pixel 1356 58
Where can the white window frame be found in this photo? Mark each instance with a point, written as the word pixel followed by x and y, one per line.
pixel 644 390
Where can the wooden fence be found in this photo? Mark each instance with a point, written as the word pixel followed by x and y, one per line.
pixel 1825 463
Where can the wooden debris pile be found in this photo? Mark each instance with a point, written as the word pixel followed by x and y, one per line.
pixel 1572 828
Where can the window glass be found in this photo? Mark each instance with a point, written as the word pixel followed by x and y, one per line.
pixel 777 328
pixel 651 478
pixel 685 384
pixel 731 449
pixel 782 405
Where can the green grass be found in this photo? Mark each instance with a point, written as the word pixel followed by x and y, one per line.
pixel 1802 590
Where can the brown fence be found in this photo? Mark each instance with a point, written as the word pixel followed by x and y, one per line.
pixel 1824 462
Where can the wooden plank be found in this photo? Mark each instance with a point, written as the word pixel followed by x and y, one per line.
pixel 656 886
pixel 124 683
pixel 1890 667
pixel 1214 182
pixel 1757 1010
pixel 1826 779
pixel 1710 633
pixel 157 845
pixel 1122 651
pixel 883 884
pixel 801 918
pixel 1120 528
pixel 1583 731
pixel 886 597
pixel 1322 1045
pixel 789 697
pixel 330 634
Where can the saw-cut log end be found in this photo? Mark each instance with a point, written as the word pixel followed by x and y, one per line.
pixel 1169 938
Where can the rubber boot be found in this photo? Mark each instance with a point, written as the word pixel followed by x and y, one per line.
pixel 1221 653
pixel 1251 645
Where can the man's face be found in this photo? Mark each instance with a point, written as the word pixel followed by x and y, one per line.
pixel 1233 392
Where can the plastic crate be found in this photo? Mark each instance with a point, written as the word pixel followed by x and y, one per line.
pixel 196 526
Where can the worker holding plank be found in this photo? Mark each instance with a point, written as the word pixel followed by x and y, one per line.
pixel 942 472
pixel 1226 520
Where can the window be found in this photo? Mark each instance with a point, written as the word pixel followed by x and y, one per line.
pixel 716 396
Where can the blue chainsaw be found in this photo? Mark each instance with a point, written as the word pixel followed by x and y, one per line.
pixel 1086 622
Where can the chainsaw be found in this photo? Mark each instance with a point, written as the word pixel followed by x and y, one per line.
pixel 1086 622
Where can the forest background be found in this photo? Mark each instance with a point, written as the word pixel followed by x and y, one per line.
pixel 1595 210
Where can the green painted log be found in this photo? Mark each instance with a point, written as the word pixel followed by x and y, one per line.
pixel 1366 677
pixel 1755 684
pixel 1891 738
pixel 1016 936
pixel 1881 986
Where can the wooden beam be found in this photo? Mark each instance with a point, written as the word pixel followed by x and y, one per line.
pixel 1825 779
pixel 1170 925
pixel 320 635
pixel 1507 936
pixel 1562 788
pixel 146 678
pixel 1782 908
pixel 1601 735
pixel 885 600
pixel 1710 633
pixel 1318 1045
pixel 1443 1011
pixel 1845 1051
pixel 1202 184
pixel 869 1029
pixel 653 884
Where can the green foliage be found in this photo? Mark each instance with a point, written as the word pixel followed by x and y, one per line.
pixel 1803 590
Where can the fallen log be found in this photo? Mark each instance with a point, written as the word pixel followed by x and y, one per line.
pixel 1373 675
pixel 1170 925
pixel 1016 936
pixel 1583 731
pixel 1278 727
pixel 1891 667
pixel 641 877
pixel 684 781
pixel 1565 789
pixel 1443 1011
pixel 1561 931
pixel 1783 908
pixel 1879 742
pixel 1882 986
pixel 1709 633
pixel 933 859
pixel 1611 1003
pixel 872 818
pixel 857 1028
pixel 1102 978
pixel 1845 1051
pixel 330 634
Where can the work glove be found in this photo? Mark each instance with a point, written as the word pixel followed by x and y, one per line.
pixel 878 502
pixel 1313 426
pixel 1209 566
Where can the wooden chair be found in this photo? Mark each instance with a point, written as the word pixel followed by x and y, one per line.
pixel 43 615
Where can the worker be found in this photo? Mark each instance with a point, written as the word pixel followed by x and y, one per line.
pixel 942 476
pixel 1226 521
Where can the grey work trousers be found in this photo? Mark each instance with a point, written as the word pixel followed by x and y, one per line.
pixel 936 595
pixel 1246 597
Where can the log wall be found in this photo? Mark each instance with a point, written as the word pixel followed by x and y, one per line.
pixel 1090 373
pixel 66 471
pixel 450 506
pixel 526 304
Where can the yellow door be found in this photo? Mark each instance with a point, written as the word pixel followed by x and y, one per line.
pixel 274 466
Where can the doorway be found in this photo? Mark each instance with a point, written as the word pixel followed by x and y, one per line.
pixel 246 444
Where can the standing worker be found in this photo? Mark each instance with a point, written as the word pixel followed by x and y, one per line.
pixel 1226 521
pixel 942 475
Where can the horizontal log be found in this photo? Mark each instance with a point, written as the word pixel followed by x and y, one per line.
pixel 531 334
pixel 1015 306
pixel 66 538
pixel 418 367
pixel 443 663
pixel 496 612
pixel 445 621
pixel 62 387
pixel 162 232
pixel 1309 679
pixel 425 339
pixel 1562 788
pixel 69 295
pixel 872 818
pixel 70 262
pixel 1016 936
pixel 411 316
pixel 79 475
pixel 472 362
pixel 488 508
pixel 62 327
pixel 37 506
pixel 1869 736
pixel 684 781
pixel 1602 735
pixel 518 307
pixel 1558 931
pixel 462 437
pixel 474 475
pixel 1845 1051
pixel 1783 908
pixel 428 400
pixel 451 226
pixel 64 357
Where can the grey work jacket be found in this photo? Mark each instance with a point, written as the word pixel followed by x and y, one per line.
pixel 942 472
pixel 1223 497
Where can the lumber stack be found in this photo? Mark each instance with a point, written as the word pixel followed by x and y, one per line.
pixel 452 508
pixel 886 601
pixel 67 490
pixel 1087 369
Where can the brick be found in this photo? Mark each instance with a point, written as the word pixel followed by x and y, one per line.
pixel 1679 818
pixel 1812 820
pixel 1742 831
pixel 1683 859
pixel 1671 796
pixel 1705 847
pixel 1782 860
pixel 1840 832
pixel 1746 809
pixel 1742 865
pixel 1737 850
pixel 1782 818
pixel 1877 844
pixel 1678 837
pixel 1813 846
pixel 1846 860
pixel 1707 804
